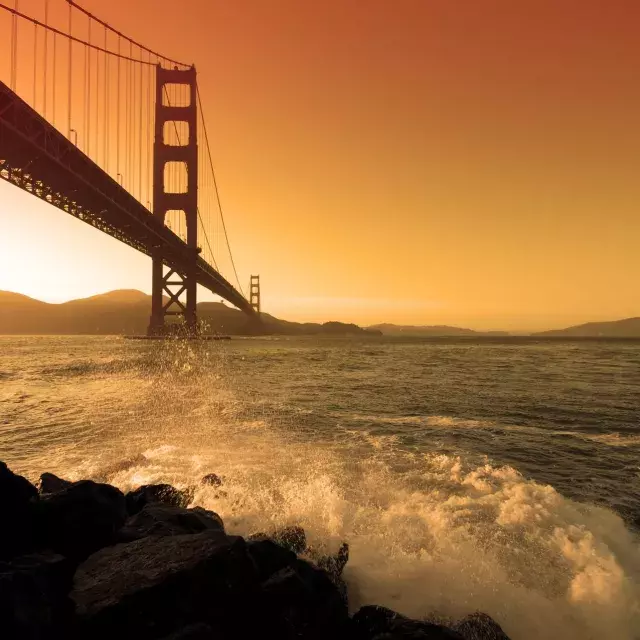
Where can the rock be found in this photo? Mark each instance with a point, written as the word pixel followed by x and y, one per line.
pixel 50 483
pixel 307 603
pixel 157 519
pixel 198 631
pixel 269 557
pixel 480 626
pixel 16 513
pixel 212 480
pixel 80 519
pixel 334 565
pixel 379 622
pixel 157 585
pixel 34 599
pixel 164 493
pixel 292 538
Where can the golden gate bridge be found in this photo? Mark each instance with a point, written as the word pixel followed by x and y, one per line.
pixel 113 133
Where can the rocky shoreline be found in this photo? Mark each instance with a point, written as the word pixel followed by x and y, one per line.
pixel 82 560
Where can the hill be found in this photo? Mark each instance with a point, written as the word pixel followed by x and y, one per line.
pixel 627 328
pixel 127 312
pixel 431 330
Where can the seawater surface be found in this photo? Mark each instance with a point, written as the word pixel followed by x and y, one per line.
pixel 493 475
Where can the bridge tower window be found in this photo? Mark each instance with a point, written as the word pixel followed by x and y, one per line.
pixel 175 177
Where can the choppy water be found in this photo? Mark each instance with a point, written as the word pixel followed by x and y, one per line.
pixel 499 476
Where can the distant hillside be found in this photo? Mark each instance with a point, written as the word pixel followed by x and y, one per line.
pixel 431 330
pixel 127 312
pixel 627 328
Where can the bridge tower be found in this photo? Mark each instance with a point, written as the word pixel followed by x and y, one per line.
pixel 254 293
pixel 177 283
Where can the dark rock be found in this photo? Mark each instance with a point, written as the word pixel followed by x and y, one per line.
pixel 379 622
pixel 34 599
pixel 269 557
pixel 157 519
pixel 212 480
pixel 198 631
pixel 16 506
pixel 334 565
pixel 164 493
pixel 307 602
pixel 159 584
pixel 50 483
pixel 480 626
pixel 80 519
pixel 292 538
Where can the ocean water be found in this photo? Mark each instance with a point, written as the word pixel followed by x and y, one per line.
pixel 501 476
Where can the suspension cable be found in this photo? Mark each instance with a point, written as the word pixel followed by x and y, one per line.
pixel 122 35
pixel 215 187
pixel 66 35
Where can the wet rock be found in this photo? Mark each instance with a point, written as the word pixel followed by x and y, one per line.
pixel 157 519
pixel 334 565
pixel 480 626
pixel 34 600
pixel 292 538
pixel 163 493
pixel 198 631
pixel 50 483
pixel 307 603
pixel 157 585
pixel 212 480
pixel 381 623
pixel 269 557
pixel 16 513
pixel 80 519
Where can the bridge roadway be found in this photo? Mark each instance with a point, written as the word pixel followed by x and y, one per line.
pixel 37 158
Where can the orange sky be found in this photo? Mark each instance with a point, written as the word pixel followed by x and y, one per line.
pixel 416 161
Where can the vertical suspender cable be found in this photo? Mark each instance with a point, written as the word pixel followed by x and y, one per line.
pixel 89 92
pixel 46 60
pixel 35 62
pixel 140 158
pixel 106 121
pixel 118 116
pixel 55 41
pixel 69 78
pixel 14 50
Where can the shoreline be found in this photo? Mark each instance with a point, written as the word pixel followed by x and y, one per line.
pixel 84 560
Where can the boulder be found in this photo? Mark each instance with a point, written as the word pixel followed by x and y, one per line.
pixel 212 480
pixel 269 557
pixel 157 585
pixel 50 483
pixel 334 565
pixel 379 622
pixel 292 538
pixel 480 626
pixel 17 496
pixel 163 493
pixel 306 602
pixel 80 519
pixel 34 600
pixel 157 519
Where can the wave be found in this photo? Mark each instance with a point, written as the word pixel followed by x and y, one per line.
pixel 430 535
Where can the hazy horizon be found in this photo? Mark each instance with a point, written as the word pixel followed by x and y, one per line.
pixel 320 317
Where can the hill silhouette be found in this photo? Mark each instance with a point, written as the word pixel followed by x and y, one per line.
pixel 127 312
pixel 626 328
pixel 431 330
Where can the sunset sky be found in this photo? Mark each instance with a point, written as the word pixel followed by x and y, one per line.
pixel 469 162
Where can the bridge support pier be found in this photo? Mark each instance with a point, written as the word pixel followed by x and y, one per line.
pixel 174 286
